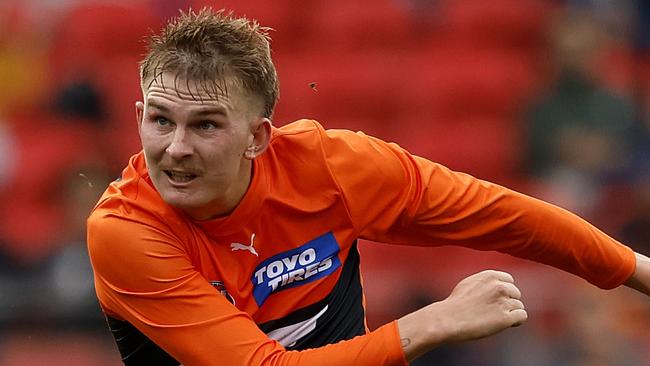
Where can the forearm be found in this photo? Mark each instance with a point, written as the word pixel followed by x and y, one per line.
pixel 421 331
pixel 457 209
pixel 479 306
pixel 231 338
pixel 640 279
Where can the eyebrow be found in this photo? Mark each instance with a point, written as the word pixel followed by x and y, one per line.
pixel 204 111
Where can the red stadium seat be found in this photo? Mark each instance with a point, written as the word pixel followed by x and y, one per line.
pixel 355 26
pixel 94 32
pixel 358 86
pixel 621 70
pixel 268 13
pixel 291 20
pixel 118 80
pixel 514 23
pixel 49 152
pixel 486 147
pixel 458 80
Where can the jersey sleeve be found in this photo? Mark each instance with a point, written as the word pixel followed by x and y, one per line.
pixel 395 197
pixel 143 276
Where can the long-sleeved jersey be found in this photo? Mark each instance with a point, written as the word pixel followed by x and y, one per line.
pixel 277 281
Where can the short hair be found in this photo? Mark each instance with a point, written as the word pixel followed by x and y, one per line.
pixel 207 47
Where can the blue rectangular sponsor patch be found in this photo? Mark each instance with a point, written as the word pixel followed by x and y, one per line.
pixel 313 260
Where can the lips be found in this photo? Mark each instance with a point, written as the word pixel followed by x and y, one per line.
pixel 178 176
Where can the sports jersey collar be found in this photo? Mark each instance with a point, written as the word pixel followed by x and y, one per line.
pixel 247 208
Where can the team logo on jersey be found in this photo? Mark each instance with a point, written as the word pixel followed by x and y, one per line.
pixel 222 289
pixel 309 262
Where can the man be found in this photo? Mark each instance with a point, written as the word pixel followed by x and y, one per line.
pixel 228 241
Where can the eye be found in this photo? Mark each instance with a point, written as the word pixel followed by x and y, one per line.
pixel 161 121
pixel 206 125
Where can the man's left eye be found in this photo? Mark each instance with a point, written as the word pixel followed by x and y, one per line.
pixel 207 125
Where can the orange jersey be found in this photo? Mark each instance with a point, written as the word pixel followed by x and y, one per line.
pixel 277 281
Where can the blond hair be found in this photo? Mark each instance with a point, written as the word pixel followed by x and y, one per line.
pixel 207 47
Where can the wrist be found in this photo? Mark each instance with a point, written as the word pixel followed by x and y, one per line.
pixel 423 330
pixel 640 279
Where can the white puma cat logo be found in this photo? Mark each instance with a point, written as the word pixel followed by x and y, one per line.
pixel 239 246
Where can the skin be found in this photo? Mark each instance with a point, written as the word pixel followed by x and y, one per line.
pixel 199 153
pixel 199 149
pixel 480 305
pixel 640 280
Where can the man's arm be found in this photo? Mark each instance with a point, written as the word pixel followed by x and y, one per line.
pixel 640 280
pixel 409 200
pixel 143 276
pixel 152 285
pixel 479 306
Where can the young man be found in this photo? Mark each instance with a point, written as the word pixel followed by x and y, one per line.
pixel 228 241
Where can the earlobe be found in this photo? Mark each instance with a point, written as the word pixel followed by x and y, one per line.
pixel 261 136
pixel 251 152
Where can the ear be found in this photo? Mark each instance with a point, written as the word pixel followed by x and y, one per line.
pixel 139 113
pixel 259 138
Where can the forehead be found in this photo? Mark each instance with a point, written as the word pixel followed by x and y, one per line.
pixel 170 88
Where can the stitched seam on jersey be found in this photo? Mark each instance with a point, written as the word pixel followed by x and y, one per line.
pixel 278 132
pixel 320 131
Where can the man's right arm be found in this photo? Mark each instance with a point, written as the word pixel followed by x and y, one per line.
pixel 146 280
pixel 479 306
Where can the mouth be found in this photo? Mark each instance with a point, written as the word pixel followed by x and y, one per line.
pixel 180 177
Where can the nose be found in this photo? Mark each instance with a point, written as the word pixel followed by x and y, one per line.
pixel 180 146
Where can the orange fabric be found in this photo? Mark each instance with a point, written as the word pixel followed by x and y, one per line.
pixel 153 265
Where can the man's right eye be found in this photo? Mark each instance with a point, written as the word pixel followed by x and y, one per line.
pixel 161 121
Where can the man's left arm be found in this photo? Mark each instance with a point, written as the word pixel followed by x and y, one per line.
pixel 395 197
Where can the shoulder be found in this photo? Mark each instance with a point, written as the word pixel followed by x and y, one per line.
pixel 311 135
pixel 301 135
pixel 132 197
pixel 300 127
pixel 132 234
pixel 131 225
pixel 305 146
pixel 345 157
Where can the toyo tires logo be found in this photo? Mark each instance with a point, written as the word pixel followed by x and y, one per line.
pixel 313 260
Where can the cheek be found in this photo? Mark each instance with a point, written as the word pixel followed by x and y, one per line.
pixel 152 143
pixel 230 147
pixel 149 152
pixel 145 137
pixel 239 143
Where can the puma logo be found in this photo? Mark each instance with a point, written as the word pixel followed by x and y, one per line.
pixel 239 246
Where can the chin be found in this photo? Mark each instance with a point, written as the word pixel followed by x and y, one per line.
pixel 181 201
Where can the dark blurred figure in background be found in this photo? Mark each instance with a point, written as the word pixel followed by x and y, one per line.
pixel 636 230
pixel 580 133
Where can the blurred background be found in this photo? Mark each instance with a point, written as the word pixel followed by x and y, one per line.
pixel 547 97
